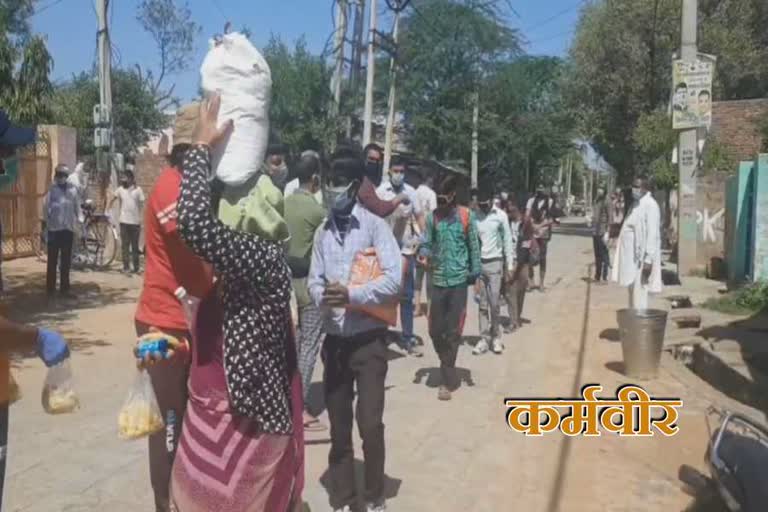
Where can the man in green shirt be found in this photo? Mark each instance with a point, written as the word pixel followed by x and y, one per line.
pixel 303 214
pixel 451 251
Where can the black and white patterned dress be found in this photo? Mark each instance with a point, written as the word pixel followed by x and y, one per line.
pixel 259 352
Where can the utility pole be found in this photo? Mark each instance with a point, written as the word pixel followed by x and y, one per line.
pixel 104 133
pixel 568 178
pixel 338 73
pixel 475 117
pixel 687 156
pixel 370 76
pixel 389 134
pixel 357 44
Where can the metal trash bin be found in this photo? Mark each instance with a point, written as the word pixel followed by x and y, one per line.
pixel 642 339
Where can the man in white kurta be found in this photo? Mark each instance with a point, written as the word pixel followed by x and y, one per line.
pixel 637 261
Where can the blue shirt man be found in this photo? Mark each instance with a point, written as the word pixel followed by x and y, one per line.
pixel 355 351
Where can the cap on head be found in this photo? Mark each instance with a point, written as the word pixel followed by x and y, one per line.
pixel 13 135
pixel 186 120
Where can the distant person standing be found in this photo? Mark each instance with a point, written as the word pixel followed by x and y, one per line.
pixel 132 200
pixel 451 251
pixel 540 210
pixel 304 215
pixel 62 211
pixel 497 259
pixel 600 221
pixel 638 254
pixel 428 200
pixel 407 222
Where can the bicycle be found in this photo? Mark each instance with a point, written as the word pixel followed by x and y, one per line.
pixel 95 245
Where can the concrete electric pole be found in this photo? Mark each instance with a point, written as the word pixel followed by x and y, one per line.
pixel 390 131
pixel 475 117
pixel 370 76
pixel 687 157
pixel 341 32
pixel 103 119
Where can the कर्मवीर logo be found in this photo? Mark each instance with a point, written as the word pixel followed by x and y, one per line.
pixel 629 414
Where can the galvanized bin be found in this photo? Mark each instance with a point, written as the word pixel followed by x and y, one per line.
pixel 642 340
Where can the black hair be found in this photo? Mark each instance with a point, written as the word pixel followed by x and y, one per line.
pixel 347 161
pixel 129 174
pixel 176 158
pixel 484 194
pixel 277 149
pixel 705 93
pixel 449 185
pixel 307 167
pixel 681 85
pixel 373 146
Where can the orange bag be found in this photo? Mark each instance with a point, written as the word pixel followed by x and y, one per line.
pixel 365 269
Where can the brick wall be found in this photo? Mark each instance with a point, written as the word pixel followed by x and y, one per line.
pixel 735 124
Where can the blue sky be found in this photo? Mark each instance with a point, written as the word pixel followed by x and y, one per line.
pixel 70 26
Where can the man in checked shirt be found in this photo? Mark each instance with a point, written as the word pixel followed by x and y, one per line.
pixel 354 352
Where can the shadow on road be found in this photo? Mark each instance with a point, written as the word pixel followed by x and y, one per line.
pixel 29 304
pixel 391 485
pixel 611 334
pixel 433 378
pixel 556 494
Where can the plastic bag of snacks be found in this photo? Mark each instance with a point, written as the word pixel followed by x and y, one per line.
pixel 59 396
pixel 140 415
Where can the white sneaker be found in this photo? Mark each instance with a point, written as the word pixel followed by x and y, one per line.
pixel 480 348
pixel 345 509
pixel 497 347
pixel 376 507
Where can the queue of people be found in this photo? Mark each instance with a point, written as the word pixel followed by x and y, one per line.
pixel 234 398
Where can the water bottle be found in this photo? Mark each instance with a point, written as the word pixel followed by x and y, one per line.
pixel 157 346
pixel 189 304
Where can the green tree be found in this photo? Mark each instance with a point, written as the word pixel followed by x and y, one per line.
pixel 25 86
pixel 174 33
pixel 447 51
pixel 14 18
pixel 301 98
pixel 620 66
pixel 525 128
pixel 135 112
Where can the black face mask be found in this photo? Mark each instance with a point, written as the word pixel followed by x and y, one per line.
pixel 373 171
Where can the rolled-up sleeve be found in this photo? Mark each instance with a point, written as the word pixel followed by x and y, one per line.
pixel 386 288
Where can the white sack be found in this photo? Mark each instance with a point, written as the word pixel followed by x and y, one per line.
pixel 234 68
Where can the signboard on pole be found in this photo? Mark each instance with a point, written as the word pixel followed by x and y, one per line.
pixel 692 92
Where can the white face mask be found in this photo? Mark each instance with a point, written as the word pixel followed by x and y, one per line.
pixel 279 174
pixel 397 179
pixel 637 193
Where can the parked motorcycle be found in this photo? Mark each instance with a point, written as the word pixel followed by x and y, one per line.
pixel 737 458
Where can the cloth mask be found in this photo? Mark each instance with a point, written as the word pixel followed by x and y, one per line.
pixel 397 179
pixel 338 198
pixel 637 193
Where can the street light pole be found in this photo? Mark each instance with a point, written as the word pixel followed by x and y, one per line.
pixel 687 157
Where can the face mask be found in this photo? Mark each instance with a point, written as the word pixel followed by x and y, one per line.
pixel 279 175
pixel 373 171
pixel 62 182
pixel 637 193
pixel 397 179
pixel 124 183
pixel 338 199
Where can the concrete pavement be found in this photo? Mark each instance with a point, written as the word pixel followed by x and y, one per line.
pixel 442 456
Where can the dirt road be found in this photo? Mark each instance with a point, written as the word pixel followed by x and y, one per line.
pixel 456 456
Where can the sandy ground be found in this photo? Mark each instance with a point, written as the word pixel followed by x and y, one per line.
pixel 456 456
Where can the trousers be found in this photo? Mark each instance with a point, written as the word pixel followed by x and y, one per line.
pixel 446 324
pixel 359 361
pixel 59 257
pixel 129 233
pixel 491 276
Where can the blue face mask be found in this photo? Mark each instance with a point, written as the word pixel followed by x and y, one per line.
pixel 338 199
